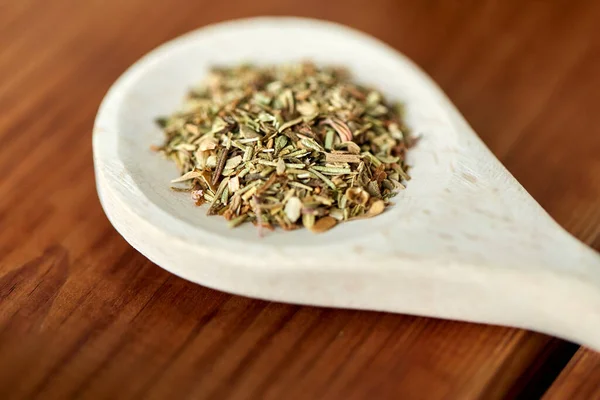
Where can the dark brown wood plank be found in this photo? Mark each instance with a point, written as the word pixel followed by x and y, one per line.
pixel 83 315
pixel 580 380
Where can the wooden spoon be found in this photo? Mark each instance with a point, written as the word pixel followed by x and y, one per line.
pixel 464 241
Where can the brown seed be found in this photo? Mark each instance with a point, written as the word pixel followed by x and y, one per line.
pixel 323 224
pixel 376 208
pixel 228 214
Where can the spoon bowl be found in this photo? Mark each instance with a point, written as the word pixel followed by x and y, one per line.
pixel 464 241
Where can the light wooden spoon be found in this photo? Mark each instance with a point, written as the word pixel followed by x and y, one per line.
pixel 464 241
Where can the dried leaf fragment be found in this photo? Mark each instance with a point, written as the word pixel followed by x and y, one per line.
pixel 340 127
pixel 187 176
pixel 342 158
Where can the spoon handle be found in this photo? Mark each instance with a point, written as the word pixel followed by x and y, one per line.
pixel 560 302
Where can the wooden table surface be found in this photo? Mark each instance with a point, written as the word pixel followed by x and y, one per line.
pixel 580 380
pixel 83 315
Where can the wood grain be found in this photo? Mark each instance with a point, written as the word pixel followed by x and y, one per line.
pixel 580 380
pixel 83 315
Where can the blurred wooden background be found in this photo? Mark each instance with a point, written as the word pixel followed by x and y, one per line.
pixel 83 315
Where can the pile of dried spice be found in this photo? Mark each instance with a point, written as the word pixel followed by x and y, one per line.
pixel 288 146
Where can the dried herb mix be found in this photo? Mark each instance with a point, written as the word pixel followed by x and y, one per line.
pixel 287 146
